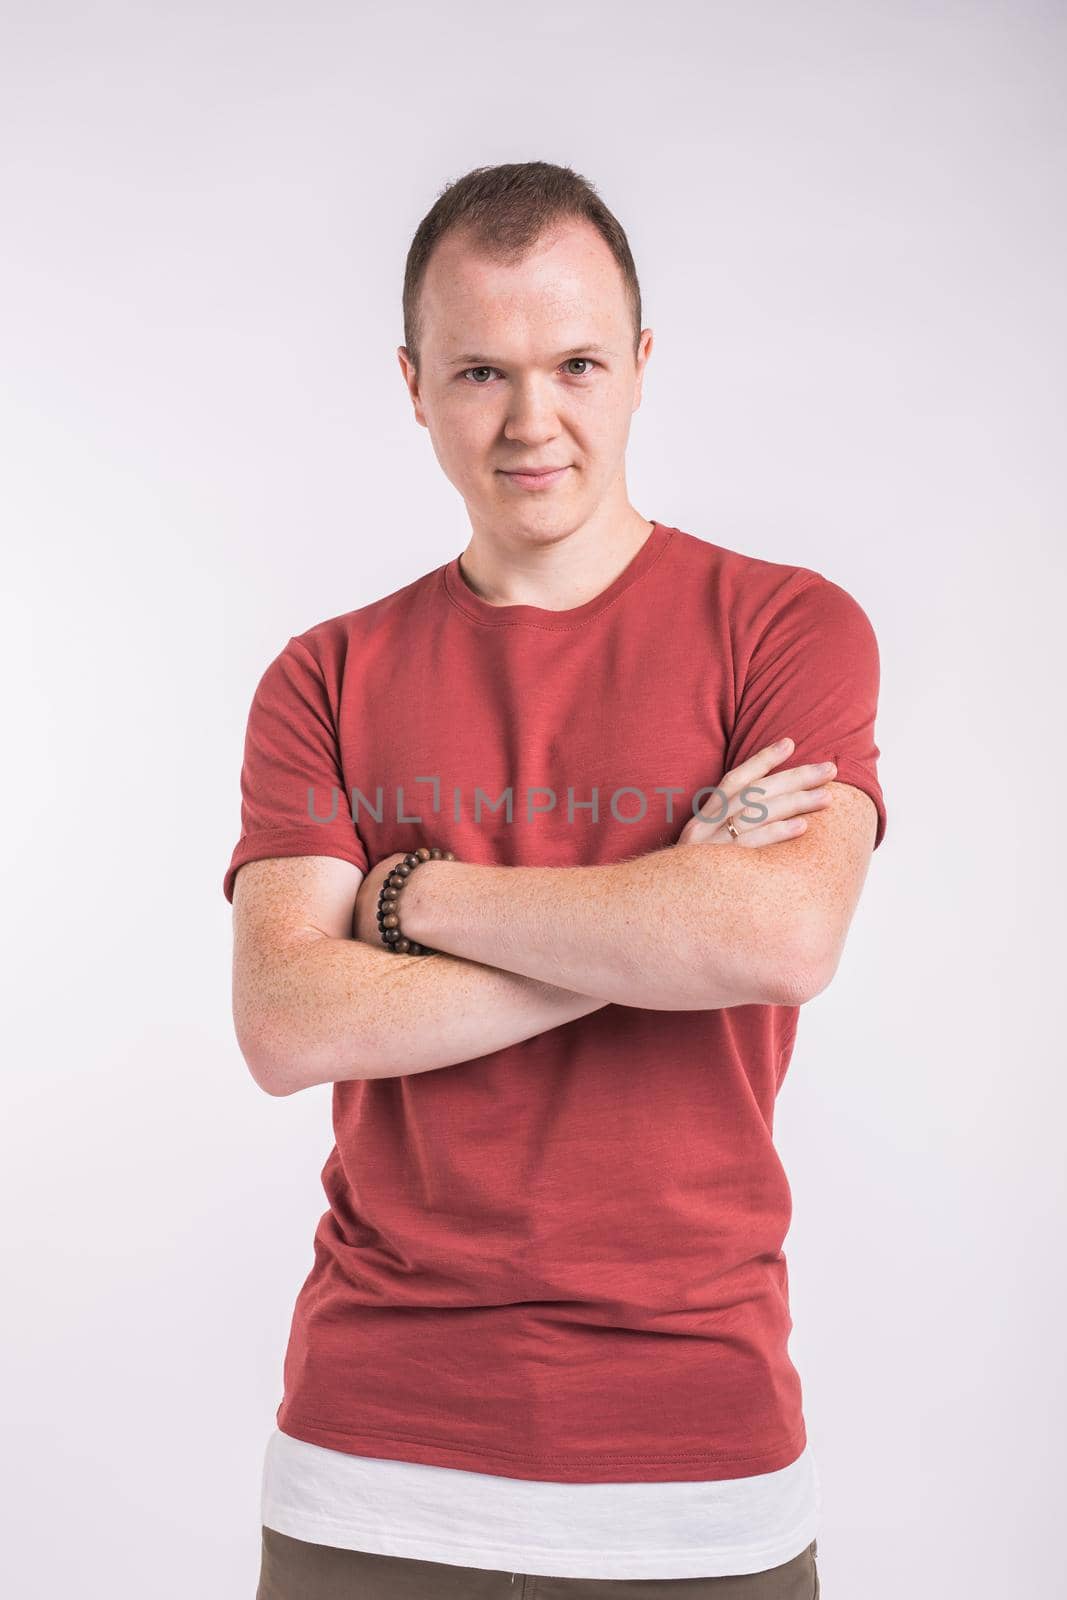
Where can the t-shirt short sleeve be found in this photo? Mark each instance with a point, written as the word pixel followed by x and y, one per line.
pixel 293 795
pixel 812 676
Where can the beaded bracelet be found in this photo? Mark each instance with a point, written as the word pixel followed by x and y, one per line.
pixel 389 898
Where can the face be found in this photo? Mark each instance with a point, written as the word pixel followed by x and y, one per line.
pixel 529 365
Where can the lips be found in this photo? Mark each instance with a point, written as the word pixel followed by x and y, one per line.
pixel 535 480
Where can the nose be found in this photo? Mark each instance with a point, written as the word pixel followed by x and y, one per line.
pixel 531 418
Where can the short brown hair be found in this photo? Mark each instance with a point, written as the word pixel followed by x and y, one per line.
pixel 506 209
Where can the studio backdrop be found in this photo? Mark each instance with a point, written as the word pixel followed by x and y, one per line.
pixel 848 224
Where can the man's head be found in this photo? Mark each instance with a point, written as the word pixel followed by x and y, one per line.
pixel 524 346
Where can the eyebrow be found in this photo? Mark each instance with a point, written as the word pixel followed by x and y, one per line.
pixel 565 355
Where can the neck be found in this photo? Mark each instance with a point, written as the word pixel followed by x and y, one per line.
pixel 551 569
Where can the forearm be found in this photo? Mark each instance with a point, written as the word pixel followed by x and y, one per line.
pixel 341 1009
pixel 691 927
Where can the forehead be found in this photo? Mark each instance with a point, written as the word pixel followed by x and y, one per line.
pixel 568 288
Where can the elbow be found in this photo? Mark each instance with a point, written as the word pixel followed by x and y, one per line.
pixel 274 1085
pixel 273 1061
pixel 280 1073
pixel 293 1030
pixel 795 986
pixel 268 1073
pixel 805 966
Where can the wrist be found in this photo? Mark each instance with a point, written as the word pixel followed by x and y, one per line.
pixel 401 907
pixel 416 904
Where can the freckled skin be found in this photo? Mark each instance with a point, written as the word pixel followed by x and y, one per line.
pixel 829 863
pixel 601 926
pixel 316 998
pixel 554 549
pixel 313 1004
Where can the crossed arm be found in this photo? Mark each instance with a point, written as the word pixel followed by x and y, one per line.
pixel 681 929
pixel 524 949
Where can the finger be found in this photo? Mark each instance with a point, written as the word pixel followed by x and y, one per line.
pixel 779 808
pixel 772 755
pixel 766 833
pixel 728 798
pixel 755 838
pixel 758 767
pixel 775 783
pixel 804 777
pixel 747 815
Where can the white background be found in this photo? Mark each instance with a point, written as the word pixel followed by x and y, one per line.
pixel 848 223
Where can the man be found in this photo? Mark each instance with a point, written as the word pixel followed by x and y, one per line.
pixel 545 1329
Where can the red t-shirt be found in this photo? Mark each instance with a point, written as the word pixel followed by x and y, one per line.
pixel 561 1260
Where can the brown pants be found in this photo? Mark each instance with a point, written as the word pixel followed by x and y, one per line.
pixel 293 1569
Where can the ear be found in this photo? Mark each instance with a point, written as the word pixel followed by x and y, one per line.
pixel 644 350
pixel 411 380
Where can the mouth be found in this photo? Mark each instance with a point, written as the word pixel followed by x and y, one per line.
pixel 535 477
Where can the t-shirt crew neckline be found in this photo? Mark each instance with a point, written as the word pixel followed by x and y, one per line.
pixel 480 610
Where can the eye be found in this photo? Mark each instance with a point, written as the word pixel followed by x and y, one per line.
pixel 479 382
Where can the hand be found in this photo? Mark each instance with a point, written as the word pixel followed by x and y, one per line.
pixel 785 796
pixel 365 911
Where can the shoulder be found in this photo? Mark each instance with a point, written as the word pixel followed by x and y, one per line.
pixel 750 592
pixel 369 629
